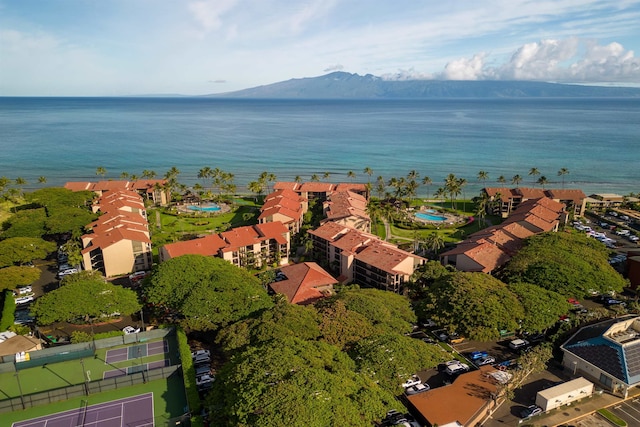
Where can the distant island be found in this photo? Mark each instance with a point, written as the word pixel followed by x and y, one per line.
pixel 341 85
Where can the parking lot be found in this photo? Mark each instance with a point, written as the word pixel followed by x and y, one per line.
pixel 628 411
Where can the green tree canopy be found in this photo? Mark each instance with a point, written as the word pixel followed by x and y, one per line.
pixel 281 321
pixel 385 310
pixel 87 299
pixel 56 197
pixel 568 263
pixel 391 359
pixel 209 292
pixel 68 220
pixel 476 305
pixel 25 223
pixel 343 327
pixel 542 307
pixel 296 382
pixel 20 250
pixel 14 276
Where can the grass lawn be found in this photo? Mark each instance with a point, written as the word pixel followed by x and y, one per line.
pixel 174 227
pixel 168 401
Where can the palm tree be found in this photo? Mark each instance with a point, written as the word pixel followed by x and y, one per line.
pixel 326 176
pixel 369 172
pixel 562 172
pixel 271 177
pixel 351 175
pixel 435 242
pixel 413 175
pixel 461 183
pixel 543 181
pixel 255 187
pixel 204 174
pixel 440 193
pixel 149 174
pixel 297 179
pixel 315 178
pixel 124 175
pixel 427 181
pixel 516 180
pixel 101 171
pixel 20 182
pixel 452 186
pixel 483 176
pixel 42 180
pixel 501 179
pixel 481 208
pixel 381 187
pixel 534 172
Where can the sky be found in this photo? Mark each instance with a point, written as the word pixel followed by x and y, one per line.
pixel 196 47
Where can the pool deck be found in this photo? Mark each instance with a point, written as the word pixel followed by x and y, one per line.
pixel 186 208
pixel 450 219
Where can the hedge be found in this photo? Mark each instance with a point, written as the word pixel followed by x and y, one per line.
pixel 188 373
pixel 8 310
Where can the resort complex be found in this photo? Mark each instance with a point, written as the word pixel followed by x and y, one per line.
pixel 316 292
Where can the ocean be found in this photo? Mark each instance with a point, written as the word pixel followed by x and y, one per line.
pixel 67 139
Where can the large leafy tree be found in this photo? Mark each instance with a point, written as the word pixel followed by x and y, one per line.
pixel 209 292
pixel 53 197
pixel 14 276
pixel 384 310
pixel 568 263
pixel 20 250
pixel 343 327
pixel 86 299
pixel 283 320
pixel 25 223
pixel 476 305
pixel 296 382
pixel 391 359
pixel 68 220
pixel 541 306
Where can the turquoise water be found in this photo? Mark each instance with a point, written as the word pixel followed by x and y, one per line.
pixel 63 139
pixel 205 208
pixel 430 217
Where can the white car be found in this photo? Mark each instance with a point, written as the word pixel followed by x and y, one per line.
pixel 456 367
pixel 488 360
pixel 24 300
pixel 130 330
pixel 25 290
pixel 414 380
pixel 518 344
pixel 66 272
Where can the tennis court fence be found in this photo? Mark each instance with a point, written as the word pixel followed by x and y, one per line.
pixel 79 390
pixel 78 351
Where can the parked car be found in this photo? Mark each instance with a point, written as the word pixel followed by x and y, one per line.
pixel 201 356
pixel 414 380
pixel 611 301
pixel 518 344
pixel 24 290
pixel 455 367
pixel 475 355
pixel 530 411
pixel 23 300
pixel 488 360
pixel 428 324
pixel 130 330
pixel 454 338
pixel 66 272
pixel 202 369
pixel 138 275
pixel 418 388
pixel 204 379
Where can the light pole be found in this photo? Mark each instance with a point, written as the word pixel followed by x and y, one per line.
pixel 20 389
pixel 575 366
pixel 142 318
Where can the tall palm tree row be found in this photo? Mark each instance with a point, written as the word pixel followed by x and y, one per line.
pixel 561 173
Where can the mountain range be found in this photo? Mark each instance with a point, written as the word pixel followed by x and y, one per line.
pixel 341 85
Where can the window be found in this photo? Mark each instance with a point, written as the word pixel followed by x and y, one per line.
pixel 605 380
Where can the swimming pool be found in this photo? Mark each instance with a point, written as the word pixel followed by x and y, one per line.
pixel 209 207
pixel 429 217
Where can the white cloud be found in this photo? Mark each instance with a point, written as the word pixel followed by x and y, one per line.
pixel 331 68
pixel 567 60
pixel 208 13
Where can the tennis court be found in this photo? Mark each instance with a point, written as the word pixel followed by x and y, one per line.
pixel 138 350
pixel 136 368
pixel 135 411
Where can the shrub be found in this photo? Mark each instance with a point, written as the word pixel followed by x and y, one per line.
pixel 188 372
pixel 80 336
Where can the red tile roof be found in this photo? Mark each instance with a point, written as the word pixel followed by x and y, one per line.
pixel 104 240
pixel 317 187
pixel 458 403
pixel 530 193
pixel 567 194
pixel 294 186
pixel 79 186
pixel 352 186
pixel 302 283
pixel 252 234
pixel 208 246
pixel 344 204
